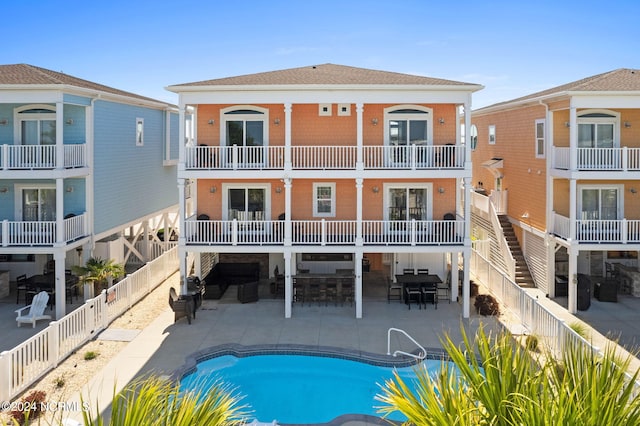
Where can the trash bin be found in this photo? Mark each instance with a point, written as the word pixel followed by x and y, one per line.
pixel 584 292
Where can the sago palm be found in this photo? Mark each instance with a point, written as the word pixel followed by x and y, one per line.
pixel 495 381
pixel 154 401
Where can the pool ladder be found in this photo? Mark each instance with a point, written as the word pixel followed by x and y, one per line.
pixel 421 355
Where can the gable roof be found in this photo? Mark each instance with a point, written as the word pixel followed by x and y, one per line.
pixel 326 74
pixel 21 75
pixel 619 80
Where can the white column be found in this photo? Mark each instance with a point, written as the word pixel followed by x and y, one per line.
pixel 359 137
pixel 181 138
pixel 59 237
pixel 287 212
pixel 467 247
pixel 573 207
pixel 359 240
pixel 59 135
pixel 573 139
pixel 60 283
pixel 288 283
pixel 182 241
pixel 467 135
pixel 287 136
pixel 358 283
pixel 572 303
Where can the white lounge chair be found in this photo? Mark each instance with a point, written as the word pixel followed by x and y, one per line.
pixel 35 310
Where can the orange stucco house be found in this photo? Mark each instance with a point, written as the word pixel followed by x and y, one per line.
pixel 322 168
pixel 562 166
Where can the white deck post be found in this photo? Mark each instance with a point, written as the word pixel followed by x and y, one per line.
pixel 358 283
pixel 288 284
pixel 60 283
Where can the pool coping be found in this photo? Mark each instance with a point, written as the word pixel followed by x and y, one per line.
pixel 234 349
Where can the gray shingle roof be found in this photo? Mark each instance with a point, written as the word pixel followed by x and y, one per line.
pixel 327 74
pixel 25 74
pixel 620 80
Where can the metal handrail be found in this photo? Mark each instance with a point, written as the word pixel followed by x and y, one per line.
pixel 421 355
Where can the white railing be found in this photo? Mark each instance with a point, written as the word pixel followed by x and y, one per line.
pixel 537 319
pixel 414 157
pixel 552 331
pixel 41 233
pixel 598 159
pixel 324 157
pixel 75 155
pixel 234 157
pixel 155 249
pixel 598 231
pixel 325 232
pixel 35 157
pixel 23 365
pixel 420 356
pixel 561 225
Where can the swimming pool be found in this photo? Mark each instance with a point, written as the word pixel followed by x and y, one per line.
pixel 302 388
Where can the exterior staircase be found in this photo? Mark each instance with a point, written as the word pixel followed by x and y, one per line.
pixel 523 275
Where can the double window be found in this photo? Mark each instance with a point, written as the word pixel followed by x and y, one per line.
pixel 407 126
pixel 246 128
pixel 36 204
pixel 597 130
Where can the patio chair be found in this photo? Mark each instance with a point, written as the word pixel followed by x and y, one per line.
pixel 21 286
pixel 394 290
pixel 408 271
pixel 278 283
pixel 35 311
pixel 429 292
pixel 182 307
pixel 444 288
pixel 412 291
pixel 346 290
pixel 423 271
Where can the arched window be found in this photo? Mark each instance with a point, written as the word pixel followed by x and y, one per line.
pixel 408 125
pixel 36 125
pixel 598 129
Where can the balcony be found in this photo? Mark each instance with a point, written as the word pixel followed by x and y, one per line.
pixel 41 233
pixel 41 157
pixel 413 157
pixel 598 231
pixel 324 232
pixel 598 159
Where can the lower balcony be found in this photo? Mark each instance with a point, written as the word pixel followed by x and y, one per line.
pixel 325 232
pixel 41 233
pixel 598 231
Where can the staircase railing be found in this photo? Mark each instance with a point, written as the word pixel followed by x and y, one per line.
pixel 505 251
pixel 420 356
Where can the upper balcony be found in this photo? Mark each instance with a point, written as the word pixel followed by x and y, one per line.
pixel 623 231
pixel 339 158
pixel 21 161
pixel 42 233
pixel 623 159
pixel 324 232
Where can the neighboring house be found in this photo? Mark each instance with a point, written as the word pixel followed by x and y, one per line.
pixel 325 167
pixel 85 170
pixel 569 158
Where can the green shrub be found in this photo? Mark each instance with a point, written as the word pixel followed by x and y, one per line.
pixel 89 355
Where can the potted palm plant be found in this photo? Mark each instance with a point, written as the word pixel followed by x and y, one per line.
pixel 99 272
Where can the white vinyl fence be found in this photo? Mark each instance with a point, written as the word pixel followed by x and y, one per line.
pixel 539 321
pixel 28 362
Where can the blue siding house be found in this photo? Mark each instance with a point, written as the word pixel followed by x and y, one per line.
pixel 85 170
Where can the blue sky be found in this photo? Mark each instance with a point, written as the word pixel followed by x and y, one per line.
pixel 513 48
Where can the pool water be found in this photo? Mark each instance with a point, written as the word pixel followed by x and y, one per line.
pixel 302 388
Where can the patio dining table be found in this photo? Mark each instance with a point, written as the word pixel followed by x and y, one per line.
pixel 47 282
pixel 419 280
